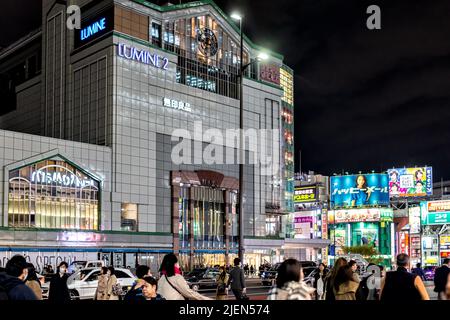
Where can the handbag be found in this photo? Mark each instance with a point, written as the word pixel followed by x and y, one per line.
pixel 117 289
pixel 167 279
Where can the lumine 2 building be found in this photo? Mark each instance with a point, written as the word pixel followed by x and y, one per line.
pixel 86 139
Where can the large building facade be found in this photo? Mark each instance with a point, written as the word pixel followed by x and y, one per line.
pixel 92 121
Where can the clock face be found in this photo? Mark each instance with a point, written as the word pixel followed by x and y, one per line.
pixel 207 42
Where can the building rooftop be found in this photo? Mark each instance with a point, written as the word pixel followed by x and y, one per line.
pixel 20 42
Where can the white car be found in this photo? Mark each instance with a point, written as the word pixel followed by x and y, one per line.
pixel 83 283
pixel 78 265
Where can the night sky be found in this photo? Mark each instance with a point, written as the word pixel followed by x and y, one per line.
pixel 364 99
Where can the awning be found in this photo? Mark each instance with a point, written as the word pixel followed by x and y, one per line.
pixel 306 243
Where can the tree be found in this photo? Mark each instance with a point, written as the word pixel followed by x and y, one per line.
pixel 369 253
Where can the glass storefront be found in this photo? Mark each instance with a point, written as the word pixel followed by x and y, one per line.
pixel 53 194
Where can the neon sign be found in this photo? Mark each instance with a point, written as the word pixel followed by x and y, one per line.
pixel 67 179
pixel 92 29
pixel 143 56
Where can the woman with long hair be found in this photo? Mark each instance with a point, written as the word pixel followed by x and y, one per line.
pixel 222 284
pixel 361 197
pixel 33 281
pixel 289 283
pixel 111 285
pixel 100 294
pixel 172 285
pixel 345 284
pixel 331 277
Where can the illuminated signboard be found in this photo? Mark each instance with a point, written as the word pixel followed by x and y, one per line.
pixel 435 212
pixel 410 182
pixel 363 190
pixel 177 105
pixel 270 73
pixel 60 175
pixel 414 219
pixel 302 227
pixel 143 56
pixel 94 27
pixel 305 194
pixel 360 215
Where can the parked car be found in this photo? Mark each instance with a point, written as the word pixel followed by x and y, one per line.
pixel 429 272
pixel 202 278
pixel 78 265
pixel 83 283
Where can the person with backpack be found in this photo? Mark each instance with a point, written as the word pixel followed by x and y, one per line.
pixel 172 285
pixel 289 283
pixel 330 278
pixel 12 285
pixel 222 281
pixel 113 287
pixel 58 290
pixel 237 280
pixel 402 285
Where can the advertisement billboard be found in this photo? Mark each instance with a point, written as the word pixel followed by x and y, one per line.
pixel 410 182
pixel 360 215
pixel 302 227
pixel 305 194
pixel 414 219
pixel 435 212
pixel 362 190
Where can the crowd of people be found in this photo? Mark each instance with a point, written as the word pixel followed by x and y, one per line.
pixel 19 281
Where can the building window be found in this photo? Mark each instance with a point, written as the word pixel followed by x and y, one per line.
pixel 287 83
pixel 129 217
pixel 52 194
pixel 272 226
pixel 156 34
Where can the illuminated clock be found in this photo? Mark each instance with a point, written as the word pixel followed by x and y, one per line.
pixel 207 42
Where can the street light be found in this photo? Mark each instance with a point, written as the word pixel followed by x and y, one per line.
pixel 261 56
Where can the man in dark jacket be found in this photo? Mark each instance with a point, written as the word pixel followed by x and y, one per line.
pixel 237 280
pixel 12 281
pixel 419 271
pixel 135 293
pixel 440 278
pixel 58 290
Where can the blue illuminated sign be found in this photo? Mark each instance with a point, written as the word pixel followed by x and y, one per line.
pixel 143 56
pixel 93 29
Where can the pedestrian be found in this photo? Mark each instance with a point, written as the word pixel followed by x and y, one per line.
pixel 402 285
pixel 252 270
pixel 112 286
pixel 237 281
pixel 135 293
pixel 331 276
pixel 33 282
pixel 100 294
pixel 440 278
pixel 319 281
pixel 58 290
pixel 354 266
pixel 289 283
pixel 12 286
pixel 246 269
pixel 172 285
pixel 345 284
pixel 222 281
pixel 419 271
pixel 150 289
